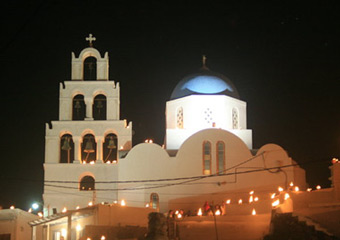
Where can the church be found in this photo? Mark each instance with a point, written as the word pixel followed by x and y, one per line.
pixel 207 151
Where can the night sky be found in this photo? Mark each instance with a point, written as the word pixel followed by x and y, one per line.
pixel 282 56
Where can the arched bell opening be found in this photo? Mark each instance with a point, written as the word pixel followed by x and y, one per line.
pixel 110 148
pixel 88 149
pixel 87 183
pixel 78 108
pixel 90 69
pixel 66 149
pixel 99 107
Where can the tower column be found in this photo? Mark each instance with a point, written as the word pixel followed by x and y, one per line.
pixel 89 103
pixel 77 148
pixel 99 141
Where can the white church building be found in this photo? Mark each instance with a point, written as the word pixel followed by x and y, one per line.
pixel 89 155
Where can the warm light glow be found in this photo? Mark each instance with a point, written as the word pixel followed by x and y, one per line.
pixel 122 203
pixel 84 162
pixel 150 141
pixel 92 162
pixel 114 161
pixel 287 196
pixel 147 205
pixel 218 212
pixel 179 215
pixel 291 184
pixel 296 189
pixel 40 214
pixel 63 232
pixel 12 207
pixel 240 201
pixel 253 212
pixel 64 210
pixel 30 210
pixel 103 238
pixel 256 199
pixel 251 199
pixel 280 189
pixel 273 196
pixel 115 201
pixel 199 213
pixel 176 212
pixel 77 207
pixel 88 239
pixel 318 187
pixel 309 189
pixel 78 227
pixel 121 147
pixel 251 192
pixel 35 206
pixel 90 204
pixel 335 160
pixel 276 203
pixel 108 162
pixel 228 201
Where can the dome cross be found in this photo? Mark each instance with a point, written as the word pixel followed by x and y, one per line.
pixel 91 39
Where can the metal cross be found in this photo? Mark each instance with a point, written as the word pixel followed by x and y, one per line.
pixel 90 38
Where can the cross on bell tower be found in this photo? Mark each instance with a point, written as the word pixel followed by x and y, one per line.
pixel 91 39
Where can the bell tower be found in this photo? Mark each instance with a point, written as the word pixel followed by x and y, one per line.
pixel 89 137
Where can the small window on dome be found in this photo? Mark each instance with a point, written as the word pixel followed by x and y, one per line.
pixel 206 158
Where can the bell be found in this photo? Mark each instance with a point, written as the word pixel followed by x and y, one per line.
pixel 66 144
pixel 89 147
pixel 111 144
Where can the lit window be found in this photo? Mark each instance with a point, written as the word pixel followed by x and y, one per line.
pixel 220 156
pixel 154 200
pixel 179 118
pixel 206 158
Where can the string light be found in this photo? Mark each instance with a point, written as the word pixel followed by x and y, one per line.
pixel 309 189
pixel 251 192
pixel 296 189
pixel 291 184
pixel 218 212
pixel 251 199
pixel 286 196
pixel 272 196
pixel 280 189
pixel 318 187
pixel 199 213
pixel 240 201
pixel 228 201
pixel 256 199
pixel 253 212
pixel 276 203
pixel 122 203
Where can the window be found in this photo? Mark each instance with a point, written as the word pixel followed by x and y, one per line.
pixel 90 68
pixel 220 156
pixel 99 107
pixel 110 148
pixel 179 118
pixel 154 201
pixel 206 158
pixel 235 118
pixel 66 149
pixel 88 148
pixel 86 183
pixel 78 108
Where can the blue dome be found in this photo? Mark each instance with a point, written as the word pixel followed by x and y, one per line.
pixel 205 82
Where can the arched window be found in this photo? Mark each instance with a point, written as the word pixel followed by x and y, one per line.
pixel 78 108
pixel 206 158
pixel 87 183
pixel 235 118
pixel 88 148
pixel 66 149
pixel 90 69
pixel 220 156
pixel 179 117
pixel 110 148
pixel 154 201
pixel 99 107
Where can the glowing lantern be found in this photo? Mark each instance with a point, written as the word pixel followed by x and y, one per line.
pixel 228 201
pixel 88 239
pixel 103 238
pixel 240 201
pixel 64 210
pixel 291 184
pixel 90 204
pixel 78 228
pixel 199 213
pixel 179 216
pixel 11 207
pixel 296 189
pixel 147 205
pixel 251 199
pixel 256 199
pixel 218 212
pixel 309 189
pixel 122 203
pixel 276 203
pixel 318 187
pixel 92 162
pixel 287 196
pixel 251 192
pixel 253 212
pixel 280 189
pixel 77 207
pixel 40 214
pixel 272 196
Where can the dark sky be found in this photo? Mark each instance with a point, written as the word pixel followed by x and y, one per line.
pixel 282 56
